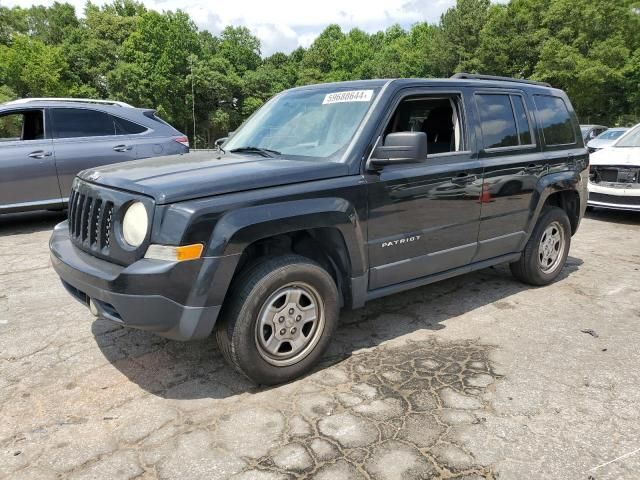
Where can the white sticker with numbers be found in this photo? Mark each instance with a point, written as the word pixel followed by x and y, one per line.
pixel 350 96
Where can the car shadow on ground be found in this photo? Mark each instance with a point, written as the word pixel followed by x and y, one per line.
pixel 30 222
pixel 614 216
pixel 194 370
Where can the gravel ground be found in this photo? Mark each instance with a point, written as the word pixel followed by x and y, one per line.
pixel 475 377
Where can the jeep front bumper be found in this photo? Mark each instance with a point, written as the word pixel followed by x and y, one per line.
pixel 177 300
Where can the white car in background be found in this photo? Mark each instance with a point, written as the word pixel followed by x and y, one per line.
pixel 606 139
pixel 614 177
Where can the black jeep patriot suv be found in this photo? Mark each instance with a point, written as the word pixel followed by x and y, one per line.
pixel 329 196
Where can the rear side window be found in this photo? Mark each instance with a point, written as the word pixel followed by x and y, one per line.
pixel 80 122
pixel 522 120
pixel 555 120
pixel 504 120
pixel 125 127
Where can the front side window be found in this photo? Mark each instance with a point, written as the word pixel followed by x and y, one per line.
pixel 80 122
pixel 439 118
pixel 631 139
pixel 555 120
pixel 317 123
pixel 24 125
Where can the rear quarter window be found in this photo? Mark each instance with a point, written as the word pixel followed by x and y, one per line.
pixel 126 127
pixel 555 120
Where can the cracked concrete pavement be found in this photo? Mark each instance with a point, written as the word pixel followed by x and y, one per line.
pixel 475 377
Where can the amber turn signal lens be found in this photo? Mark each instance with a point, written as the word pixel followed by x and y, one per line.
pixel 174 254
pixel 189 252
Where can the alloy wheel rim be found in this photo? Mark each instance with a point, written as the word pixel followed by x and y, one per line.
pixel 290 324
pixel 551 247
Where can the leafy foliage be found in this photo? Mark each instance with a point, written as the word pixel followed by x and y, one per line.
pixel 156 60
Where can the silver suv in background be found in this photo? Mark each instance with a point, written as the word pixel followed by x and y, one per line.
pixel 45 142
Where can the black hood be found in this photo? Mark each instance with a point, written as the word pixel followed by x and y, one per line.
pixel 200 174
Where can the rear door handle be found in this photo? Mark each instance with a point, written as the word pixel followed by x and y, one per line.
pixel 122 148
pixel 39 154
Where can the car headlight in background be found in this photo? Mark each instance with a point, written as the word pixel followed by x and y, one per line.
pixel 135 224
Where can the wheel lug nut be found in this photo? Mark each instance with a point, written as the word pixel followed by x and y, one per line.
pixel 281 319
pixel 283 331
pixel 293 330
pixel 298 318
pixel 291 311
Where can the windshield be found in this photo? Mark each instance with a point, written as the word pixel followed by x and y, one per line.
pixel 316 123
pixel 631 139
pixel 610 135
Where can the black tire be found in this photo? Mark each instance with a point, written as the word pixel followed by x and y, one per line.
pixel 237 330
pixel 528 268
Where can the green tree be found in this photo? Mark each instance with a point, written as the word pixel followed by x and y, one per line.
pixel 31 68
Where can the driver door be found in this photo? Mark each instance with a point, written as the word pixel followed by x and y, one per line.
pixel 424 218
pixel 28 176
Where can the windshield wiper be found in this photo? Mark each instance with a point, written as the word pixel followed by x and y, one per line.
pixel 265 152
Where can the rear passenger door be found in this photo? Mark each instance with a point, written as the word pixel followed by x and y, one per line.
pixel 513 163
pixel 85 138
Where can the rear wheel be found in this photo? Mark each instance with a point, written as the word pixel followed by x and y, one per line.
pixel 279 319
pixel 546 251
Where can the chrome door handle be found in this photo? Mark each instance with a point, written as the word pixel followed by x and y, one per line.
pixel 39 154
pixel 122 148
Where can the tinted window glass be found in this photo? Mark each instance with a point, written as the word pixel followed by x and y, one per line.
pixel 125 127
pixel 555 120
pixel 524 129
pixel 79 122
pixel 28 125
pixel 497 121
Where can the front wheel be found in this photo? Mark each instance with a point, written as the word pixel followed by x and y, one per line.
pixel 546 251
pixel 279 319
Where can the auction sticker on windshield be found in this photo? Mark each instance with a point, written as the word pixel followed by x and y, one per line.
pixel 350 96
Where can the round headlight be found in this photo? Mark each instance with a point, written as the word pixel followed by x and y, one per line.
pixel 135 224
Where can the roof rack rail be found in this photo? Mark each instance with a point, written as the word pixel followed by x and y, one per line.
pixel 74 100
pixel 477 76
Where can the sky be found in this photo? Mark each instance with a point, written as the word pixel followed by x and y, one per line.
pixel 283 25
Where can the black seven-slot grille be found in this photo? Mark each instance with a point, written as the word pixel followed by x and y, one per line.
pixel 90 220
pixel 95 214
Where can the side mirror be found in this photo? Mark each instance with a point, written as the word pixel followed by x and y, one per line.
pixel 400 147
pixel 220 141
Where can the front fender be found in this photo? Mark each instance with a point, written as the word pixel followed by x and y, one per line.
pixel 239 228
